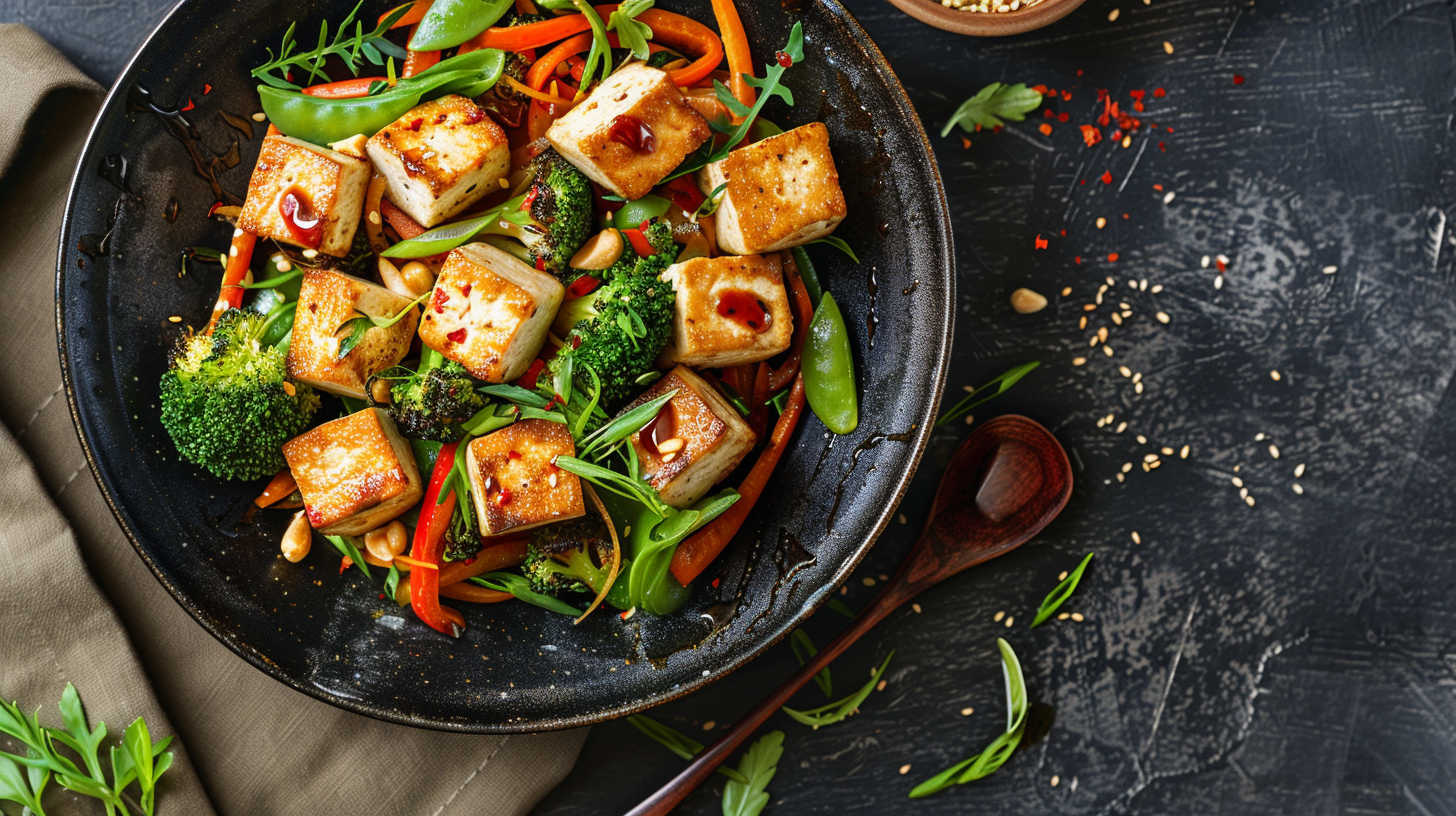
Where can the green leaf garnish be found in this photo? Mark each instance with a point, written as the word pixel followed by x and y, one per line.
pixel 995 755
pixel 758 765
pixel 991 105
pixel 633 35
pixel 447 237
pixel 1062 592
pixel 610 480
pixel 346 46
pixel 676 741
pixel 348 548
pixel 357 327
pixel 521 588
pixel 839 244
pixel 622 426
pixel 971 400
pixel 832 713
pixel 804 649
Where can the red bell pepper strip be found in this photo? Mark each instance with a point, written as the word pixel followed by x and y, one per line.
pixel 414 15
pixel 351 88
pixel 429 543
pixel 639 242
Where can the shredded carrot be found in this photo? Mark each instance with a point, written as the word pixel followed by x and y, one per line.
pixel 414 15
pixel 698 551
pixel 509 552
pixel 345 88
pixel 735 45
pixel 277 490
pixel 539 71
pixel 403 224
pixel 416 564
pixel 240 257
pixel 539 96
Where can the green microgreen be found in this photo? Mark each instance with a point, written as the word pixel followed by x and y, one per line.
pixel 834 712
pixel 606 438
pixel 978 396
pixel 349 548
pixel 995 755
pixel 628 487
pixel 991 105
pixel 838 243
pixel 1062 592
pixel 804 649
pixel 633 35
pixel 521 588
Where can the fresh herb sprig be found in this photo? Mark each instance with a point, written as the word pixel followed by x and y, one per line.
pixel 371 45
pixel 978 396
pixel 839 244
pixel 632 34
pixel 137 759
pixel 521 588
pixel 995 755
pixel 993 104
pixel 804 649
pixel 837 711
pixel 357 327
pixel 596 446
pixel 349 548
pixel 758 765
pixel 1063 591
pixel 769 87
pixel 677 742
pixel 629 486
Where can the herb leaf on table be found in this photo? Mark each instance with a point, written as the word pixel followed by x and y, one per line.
pixel 1061 593
pixel 995 755
pixel 978 396
pixel 804 649
pixel 834 712
pixel 758 765
pixel 993 104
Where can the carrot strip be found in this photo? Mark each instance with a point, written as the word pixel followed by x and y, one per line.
pixel 277 490
pixel 686 35
pixel 415 563
pixel 539 96
pixel 414 15
pixel 240 256
pixel 273 130
pixel 780 377
pixel 536 35
pixel 506 554
pixel 417 61
pixel 403 224
pixel 343 89
pixel 698 551
pixel 474 593
pixel 537 74
pixel 735 44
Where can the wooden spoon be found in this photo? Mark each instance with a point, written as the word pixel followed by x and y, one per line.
pixel 1006 482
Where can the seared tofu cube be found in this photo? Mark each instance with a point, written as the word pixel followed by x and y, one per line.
pixel 632 131
pixel 329 300
pixel 782 192
pixel 730 310
pixel 355 473
pixel 440 158
pixel 305 195
pixel 515 481
pixel 694 441
pixel 490 312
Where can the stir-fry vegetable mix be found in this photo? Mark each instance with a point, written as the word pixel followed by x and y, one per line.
pixel 521 289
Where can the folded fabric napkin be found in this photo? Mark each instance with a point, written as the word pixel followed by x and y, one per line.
pixel 80 606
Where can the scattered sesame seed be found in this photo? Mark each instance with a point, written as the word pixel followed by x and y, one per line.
pixel 1184 451
pixel 1121 426
pixel 1118 476
pixel 1168 199
pixel 999 616
pixel 1274 375
pixel 901 518
pixel 1274 451
pixel 1204 262
pixel 1126 467
pixel 310 253
pixel 1107 350
pixel 970 418
pixel 1167 47
pixel 1062 576
pixel 1083 323
pixel 1090 307
pixel 867 581
pixel 1124 371
pixel 1299 470
pixel 1162 317
pixel 709 725
pixel 1132 283
pixel 880 686
pixel 176 319
pixel 915 607
pixel 1056 780
pixel 1117 318
pixel 1113 15
pixel 1093 341
pixel 1238 468
pixel 1127 141
pixel 1102 334
pixel 1009 620
pixel 904 769
pixel 1249 500
pixel 1243 492
pixel 1156 464
pixel 1157 287
pixel 1066 291
pixel 1064 616
pixel 1260 437
pixel 260 117
pixel 1101 222
pixel 1152 457
pixel 1237 482
pixel 1143 285
pixel 1137 377
pixel 1330 270
pixel 1077 361
pixel 1218 282
pixel 1111 281
pixel 1136 539
pixel 1142 440
pixel 1077 616
pixel 967 711
pixel 1298 488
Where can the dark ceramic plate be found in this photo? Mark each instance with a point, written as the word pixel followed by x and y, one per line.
pixel 517 668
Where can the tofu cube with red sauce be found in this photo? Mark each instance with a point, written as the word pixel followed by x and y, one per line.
pixel 730 310
pixel 515 482
pixel 356 473
pixel 440 158
pixel 696 439
pixel 327 303
pixel 490 312
pixel 305 196
pixel 782 192
pixel 633 130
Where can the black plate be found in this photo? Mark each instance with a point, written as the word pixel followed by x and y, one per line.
pixel 517 668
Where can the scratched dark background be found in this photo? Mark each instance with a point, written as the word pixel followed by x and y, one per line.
pixel 1296 656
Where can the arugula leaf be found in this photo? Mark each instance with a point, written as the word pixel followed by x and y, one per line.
pixel 991 105
pixel 971 400
pixel 804 649
pixel 633 35
pixel 1061 593
pixel 16 787
pixel 835 712
pixel 759 763
pixel 995 755
pixel 358 327
pixel 601 47
pixel 521 588
pixel 391 582
pixel 839 244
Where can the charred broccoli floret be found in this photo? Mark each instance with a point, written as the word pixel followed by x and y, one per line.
pixel 568 557
pixel 227 401
pixel 558 202
pixel 618 329
pixel 462 539
pixel 432 402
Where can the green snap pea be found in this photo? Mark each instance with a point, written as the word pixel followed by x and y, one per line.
pixel 324 121
pixel 807 273
pixel 828 367
pixel 449 23
pixel 633 213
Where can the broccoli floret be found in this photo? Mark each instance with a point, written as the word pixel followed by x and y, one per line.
pixel 568 557
pixel 553 218
pixel 462 538
pixel 433 402
pixel 618 329
pixel 227 401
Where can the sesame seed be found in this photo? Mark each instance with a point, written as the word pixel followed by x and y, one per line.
pixel 176 319
pixel 1218 282
pixel 880 686
pixel 1162 317
pixel 1167 47
pixel 1299 470
pixel 1101 222
pixel 260 117
pixel 310 253
pixel 1077 616
pixel 1237 482
pixel 1137 377
pixel 915 607
pixel 1274 375
pixel 1126 467
pixel 1168 199
pixel 1064 616
pixel 1117 318
pixel 1142 440
pixel 503 183
pixel 904 769
pixel 1183 452
pixel 1062 576
pixel 1298 488
pixel 1082 324
pixel 1156 464
pixel 1243 492
pixel 901 518
pixel 1093 340
pixel 970 418
pixel 1090 307
pixel 1132 284
pixel 1107 350
pixel 1222 260
pixel 1274 451
pixel 1102 334
pixel 967 711
pixel 998 616
pixel 1066 291
pixel 1009 620
pixel 1152 457
pixel 1121 426
pixel 1249 500
pixel 668 457
pixel 1056 780
pixel 1238 468
pixel 1077 361
pixel 1143 285
pixel 1127 141
pixel 867 581
pixel 1167 451
pixel 1260 437
pixel 1204 262
pixel 1136 539
pixel 1124 371
pixel 1330 270
pixel 1157 287
pixel 1113 15
pixel 709 725
pixel 551 479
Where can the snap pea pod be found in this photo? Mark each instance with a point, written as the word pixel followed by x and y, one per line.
pixel 449 23
pixel 324 121
pixel 828 368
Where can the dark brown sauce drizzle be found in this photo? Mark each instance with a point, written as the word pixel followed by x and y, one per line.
pixel 872 319
pixel 745 309
pixel 205 163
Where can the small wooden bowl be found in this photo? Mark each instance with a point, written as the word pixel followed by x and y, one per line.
pixel 990 24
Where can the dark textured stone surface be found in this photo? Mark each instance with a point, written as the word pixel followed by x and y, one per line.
pixel 1294 657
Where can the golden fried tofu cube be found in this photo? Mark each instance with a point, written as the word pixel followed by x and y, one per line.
pixel 305 195
pixel 355 473
pixel 327 301
pixel 440 158
pixel 632 131
pixel 490 312
pixel 730 310
pixel 782 192
pixel 696 440
pixel 515 481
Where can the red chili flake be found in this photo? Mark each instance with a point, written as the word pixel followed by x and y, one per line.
pixel 1238 79
pixel 716 581
pixel 552 403
pixel 213 208
pixel 623 615
pixel 1107 177
pixel 540 264
pixel 503 498
pixel 784 60
pixel 1158 187
pixel 1046 130
pixel 1041 243
pixel 1117 135
pixel 189 106
pixel 965 143
pixel 1063 116
pixel 345 564
pixel 1041 89
pixel 1137 94
pixel 997 129
pixel 530 198
pixel 1066 96
pixel 1125 216
pixel 441 118
pixel 1112 257
pixel 1159 93
pixel 415 125
pixel 457 336
pixel 1064 233
pixel 511 454
pixel 1160 147
pixel 474 116
pixel 465 290
pixel 1047 113
pixel 575 342
pixel 1078 259
pixel 1170 130
pixel 1091 135
pixel 1221 264
pixel 439 300
pixel 1137 106
pixel 1084 182
pixel 381 596
pixel 470 560
pixel 206 89
pixel 1079 72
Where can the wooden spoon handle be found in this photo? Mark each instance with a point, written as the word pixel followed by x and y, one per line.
pixel 671 795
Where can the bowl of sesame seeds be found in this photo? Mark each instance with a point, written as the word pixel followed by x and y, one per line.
pixel 987 18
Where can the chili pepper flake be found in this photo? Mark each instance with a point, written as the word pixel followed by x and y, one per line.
pixel 1078 260
pixel 1107 177
pixel 965 143
pixel 1112 257
pixel 1041 243
pixel 784 60
pixel 457 336
pixel 1158 187
pixel 415 125
pixel 1160 147
pixel 1063 116
pixel 206 89
pixel 1067 95
pixel 1041 89
pixel 1238 79
pixel 189 105
pixel 438 301
pixel 1046 129
pixel 1091 135
pixel 1159 93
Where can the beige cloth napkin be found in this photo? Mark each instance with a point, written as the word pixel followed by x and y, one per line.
pixel 248 745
